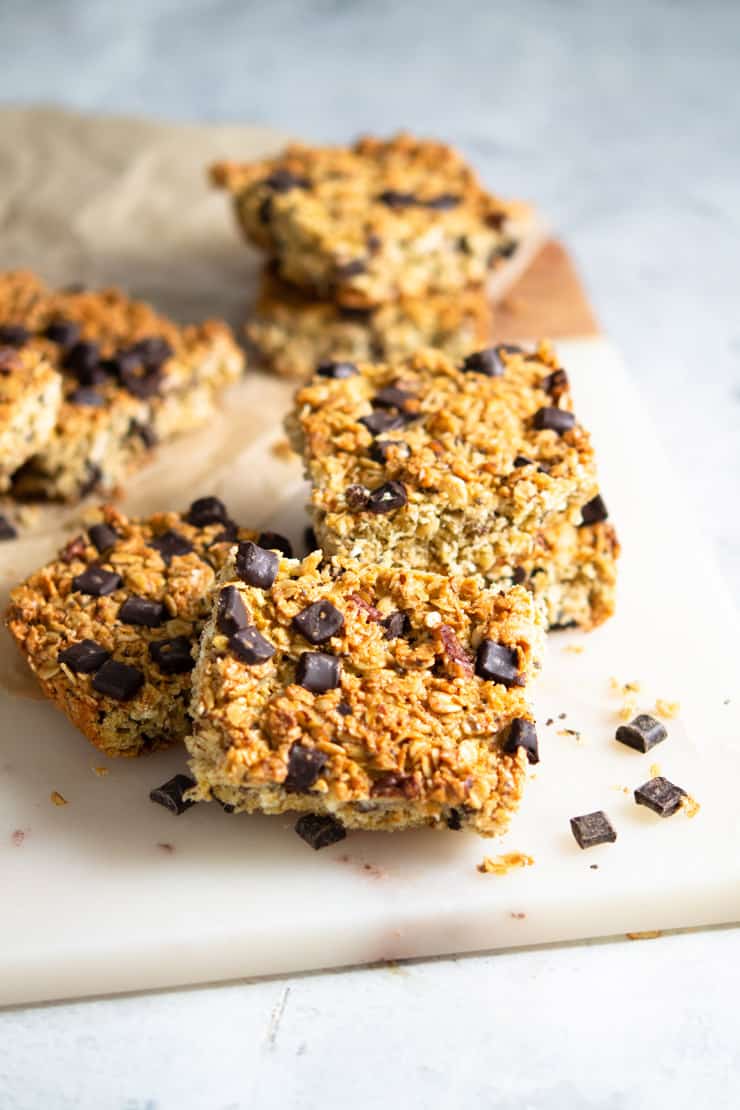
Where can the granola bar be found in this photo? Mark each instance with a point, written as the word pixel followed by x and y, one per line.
pixel 381 697
pixel 366 224
pixel 294 333
pixel 30 396
pixel 110 625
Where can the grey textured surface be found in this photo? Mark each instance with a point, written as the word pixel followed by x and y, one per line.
pixel 622 122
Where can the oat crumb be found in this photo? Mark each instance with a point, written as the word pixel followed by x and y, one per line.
pixel 17 837
pixel 58 799
pixel 667 709
pixel 518 916
pixel 281 449
pixel 690 806
pixel 575 649
pixel 100 771
pixel 500 865
pixel 654 770
pixel 646 934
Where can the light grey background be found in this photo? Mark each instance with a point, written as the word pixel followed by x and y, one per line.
pixel 623 122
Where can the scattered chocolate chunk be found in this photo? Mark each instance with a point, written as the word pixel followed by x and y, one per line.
pixel 443 202
pixel 592 829
pixel 86 396
pixel 172 656
pixel 396 625
pixel 171 794
pixel 83 360
pixel 170 544
pixel 394 198
pixel 380 449
pixel 304 767
pixel 318 672
pixel 337 370
pixel 522 460
pixel 553 420
pixel 523 734
pixel 390 782
pixel 118 680
pixel 73 549
pixel 356 497
pixel 386 498
pixel 7 529
pixel 594 511
pixel 256 565
pixel 250 647
pixel 205 511
pixel 556 383
pixel 64 332
pixel 143 611
pixel 273 541
pixel 352 268
pixel 454 821
pixel 319 832
pixel 642 733
pixel 310 539
pixel 488 362
pixel 96 581
pixel 379 422
pixel 14 335
pixel 318 622
pixel 660 795
pixel 84 657
pixel 102 536
pixel 282 181
pixel 498 663
pixel 231 615
pixel 392 397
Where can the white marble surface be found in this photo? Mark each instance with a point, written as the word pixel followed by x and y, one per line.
pixel 622 121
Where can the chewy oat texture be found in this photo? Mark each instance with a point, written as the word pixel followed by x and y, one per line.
pixel 384 698
pixel 366 224
pixel 30 397
pixel 110 626
pixel 130 379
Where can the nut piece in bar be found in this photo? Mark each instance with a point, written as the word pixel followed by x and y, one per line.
pixel 642 733
pixel 660 795
pixel 592 829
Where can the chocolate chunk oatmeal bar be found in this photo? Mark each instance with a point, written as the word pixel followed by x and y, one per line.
pixel 30 396
pixel 382 697
pixel 109 627
pixel 365 224
pixel 294 333
pixel 131 378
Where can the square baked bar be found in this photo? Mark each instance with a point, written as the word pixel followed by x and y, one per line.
pixel 30 398
pixel 366 224
pixel 384 698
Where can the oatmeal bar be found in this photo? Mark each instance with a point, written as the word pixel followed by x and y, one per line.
pixel 30 396
pixel 110 625
pixel 381 697
pixel 131 378
pixel 366 224
pixel 454 468
pixel 294 333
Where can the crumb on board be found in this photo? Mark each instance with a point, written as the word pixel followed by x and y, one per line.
pixel 645 934
pixel 518 916
pixel 621 789
pixel 593 867
pixel 165 847
pixel 549 721
pixel 281 449
pixel 17 837
pixel 500 865
pixel 689 805
pixel 667 709
pixel 100 771
pixel 623 688
pixel 578 736
pixel 654 770
pixel 562 716
pixel 574 649
pixel 58 799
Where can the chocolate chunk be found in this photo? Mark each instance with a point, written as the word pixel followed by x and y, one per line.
pixel 390 782
pixel 522 460
pixel 554 420
pixel 143 611
pixel 14 335
pixel 556 383
pixel 394 198
pixel 118 680
pixel 319 832
pixel 172 656
pixel 141 381
pixel 318 672
pixel 380 449
pixel 309 537
pixel 386 498
pixel 250 647
pixel 102 536
pixel 594 511
pixel 443 202
pixel 64 332
pixel 152 352
pixel 96 581
pixel 592 829
pixel 344 710
pixel 10 361
pixel 392 397
pixel 487 362
pixel 7 530
pixel 121 363
pixel 171 794
pixel 337 370
pixel 522 734
pixel 304 767
pixel 506 250
pixel 83 360
pixel 379 422
pixel 231 615
pixel 264 211
pixel 282 181
pixel 356 497
pixel 396 625
pixel 454 820
pixel 352 268
pixel 205 511
pixel 256 565
pixel 86 396
pixel 92 479
pixel 170 544
pixel 73 549
pixel 227 807
pixel 660 795
pixel 273 541
pixel 510 348
pixel 519 576
pixel 318 622
pixel 145 432
pixel 84 657
pixel 228 534
pixel 642 733
pixel 374 243
pixel 498 663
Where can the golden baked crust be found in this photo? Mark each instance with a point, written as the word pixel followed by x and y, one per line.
pixel 365 224
pixel 411 735
pixel 30 397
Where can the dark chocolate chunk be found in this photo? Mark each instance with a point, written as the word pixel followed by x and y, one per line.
pixel 256 565
pixel 519 576
pixel 394 198
pixel 102 536
pixel 380 449
pixel 304 767
pixel 143 611
pixel 318 622
pixel 142 382
pixel 560 626
pixel 318 672
pixel 264 211
pixel 83 360
pixel 592 829
pixel 488 362
pixel 356 497
pixel 231 615
pixel 660 795
pixel 498 663
pixel 522 734
pixel 14 335
pixel 392 397
pixel 506 250
pixel 510 348
pixel 282 181
pixel 443 202
pixel 273 541
pixel 171 794
pixel 391 782
pixel 205 511
pixel 374 243
pixel 170 544
pixel 454 820
pixel 121 363
pixel 642 733
pixel 7 530
pixel 152 352
pixel 227 807
pixel 309 537
pixel 10 360
pixel 386 498
pixel 554 420
pixel 337 370
pixel 379 422
pixel 86 396
pixel 556 383
pixel 396 625
pixel 145 432
pixel 594 511
pixel 344 710
pixel 319 832
pixel 118 680
pixel 250 647
pixel 172 656
pixel 96 581
pixel 84 657
pixel 64 332
pixel 522 460
pixel 228 533
pixel 352 268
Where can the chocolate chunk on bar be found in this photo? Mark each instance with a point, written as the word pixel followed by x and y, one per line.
pixel 497 663
pixel 84 657
pixel 273 541
pixel 102 536
pixel 171 544
pixel 256 565
pixel 142 610
pixel 523 735
pixel 592 829
pixel 96 581
pixel 319 831
pixel 642 733
pixel 336 370
pixel 317 623
pixel 118 680
pixel 304 768
pixel 250 647
pixel 318 672
pixel 205 511
pixel 7 530
pixel 231 615
pixel 554 419
pixel 595 510
pixel 387 498
pixel 171 794
pixel 173 656
pixel 660 795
